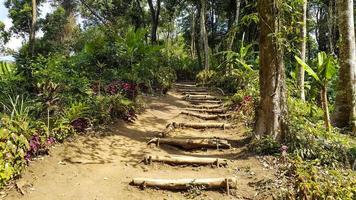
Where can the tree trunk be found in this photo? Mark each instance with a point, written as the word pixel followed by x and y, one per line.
pixel 301 71
pixel 325 105
pixel 203 34
pixel 272 108
pixel 33 28
pixel 345 108
pixel 232 33
pixel 154 19
pixel 193 30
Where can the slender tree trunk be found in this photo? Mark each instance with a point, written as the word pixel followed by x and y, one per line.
pixel 154 19
pixel 198 41
pixel 233 30
pixel 203 33
pixel 345 108
pixel 33 28
pixel 325 105
pixel 193 31
pixel 331 25
pixel 272 107
pixel 303 46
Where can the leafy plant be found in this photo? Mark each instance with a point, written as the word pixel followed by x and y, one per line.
pixel 326 69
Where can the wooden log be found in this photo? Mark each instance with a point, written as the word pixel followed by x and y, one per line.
pixel 201 125
pixel 185 184
pixel 205 110
pixel 195 93
pixel 192 90
pixel 189 144
pixel 185 85
pixel 175 159
pixel 206 116
pixel 200 97
pixel 202 101
pixel 205 106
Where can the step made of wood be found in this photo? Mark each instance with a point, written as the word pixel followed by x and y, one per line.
pixel 183 160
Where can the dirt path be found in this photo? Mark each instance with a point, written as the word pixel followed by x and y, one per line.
pixel 102 165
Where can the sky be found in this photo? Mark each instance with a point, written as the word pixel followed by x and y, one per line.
pixel 16 42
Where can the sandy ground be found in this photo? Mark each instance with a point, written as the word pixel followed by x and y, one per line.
pixel 100 166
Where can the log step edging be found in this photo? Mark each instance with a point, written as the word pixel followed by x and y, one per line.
pixel 184 160
pixel 206 116
pixel 185 184
pixel 193 143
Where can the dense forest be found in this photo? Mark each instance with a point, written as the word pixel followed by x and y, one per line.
pixel 285 71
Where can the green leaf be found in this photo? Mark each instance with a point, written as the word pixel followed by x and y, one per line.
pixel 308 69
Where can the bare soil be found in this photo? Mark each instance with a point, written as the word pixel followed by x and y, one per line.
pixel 101 165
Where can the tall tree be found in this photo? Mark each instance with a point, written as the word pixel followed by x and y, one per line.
pixel 272 106
pixel 303 48
pixel 345 108
pixel 33 27
pixel 155 10
pixel 204 34
pixel 234 28
pixel 193 32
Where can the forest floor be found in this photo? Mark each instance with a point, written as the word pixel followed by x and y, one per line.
pixel 101 165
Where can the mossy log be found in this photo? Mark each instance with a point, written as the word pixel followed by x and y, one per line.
pixel 190 143
pixel 183 160
pixel 185 184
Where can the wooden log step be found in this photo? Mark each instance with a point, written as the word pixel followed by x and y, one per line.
pixel 196 101
pixel 201 125
pixel 200 97
pixel 185 184
pixel 205 110
pixel 205 106
pixel 206 116
pixel 192 90
pixel 192 143
pixel 183 160
pixel 185 85
pixel 195 93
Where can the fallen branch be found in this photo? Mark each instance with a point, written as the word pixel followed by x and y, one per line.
pixel 185 160
pixel 205 116
pixel 189 144
pixel 185 184
pixel 201 125
pixel 205 110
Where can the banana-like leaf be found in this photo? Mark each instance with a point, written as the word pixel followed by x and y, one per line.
pixel 308 69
